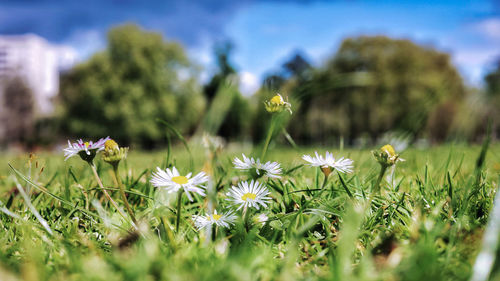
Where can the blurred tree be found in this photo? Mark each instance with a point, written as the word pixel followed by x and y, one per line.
pixel 297 65
pixel 235 121
pixel 224 68
pixel 123 90
pixel 376 84
pixel 493 81
pixel 471 118
pixel 273 82
pixel 18 112
pixel 296 70
pixel 493 98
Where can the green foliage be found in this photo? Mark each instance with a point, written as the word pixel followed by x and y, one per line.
pixel 237 122
pixel 229 111
pixel 261 119
pixel 122 91
pixel 427 223
pixel 373 85
pixel 493 97
pixel 493 81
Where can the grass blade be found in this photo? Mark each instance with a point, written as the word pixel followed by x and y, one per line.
pixel 32 208
pixel 183 140
pixel 344 185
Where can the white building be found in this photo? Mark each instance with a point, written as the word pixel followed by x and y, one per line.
pixel 38 63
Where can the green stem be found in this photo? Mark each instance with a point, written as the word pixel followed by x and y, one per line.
pixel 376 187
pixel 246 217
pixel 214 232
pixel 268 138
pixel 179 202
pixel 168 231
pixel 107 194
pixel 324 181
pixel 85 195
pixel 122 192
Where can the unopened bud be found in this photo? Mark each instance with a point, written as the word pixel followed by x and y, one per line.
pixel 386 155
pixel 277 104
pixel 113 153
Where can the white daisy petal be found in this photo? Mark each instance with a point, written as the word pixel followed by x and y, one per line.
pixel 270 169
pixel 89 147
pixel 260 219
pixel 172 181
pixel 342 165
pixel 206 221
pixel 250 194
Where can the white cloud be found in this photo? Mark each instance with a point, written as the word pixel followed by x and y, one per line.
pixel 249 83
pixel 86 42
pixel 67 56
pixel 473 62
pixel 202 53
pixel 489 28
pixel 202 56
pixel 476 56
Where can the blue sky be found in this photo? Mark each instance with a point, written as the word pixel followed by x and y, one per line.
pixel 267 33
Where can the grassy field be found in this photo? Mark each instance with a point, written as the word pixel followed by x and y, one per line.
pixel 427 222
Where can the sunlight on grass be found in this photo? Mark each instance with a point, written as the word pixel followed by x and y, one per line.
pixel 426 223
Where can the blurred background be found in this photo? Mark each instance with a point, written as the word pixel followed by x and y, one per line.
pixel 356 72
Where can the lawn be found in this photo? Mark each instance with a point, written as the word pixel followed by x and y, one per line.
pixel 426 223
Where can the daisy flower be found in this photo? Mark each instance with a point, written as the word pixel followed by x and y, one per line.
pixel 271 169
pixel 249 194
pixel 86 150
pixel 391 153
pixel 387 156
pixel 172 181
pixel 213 143
pixel 113 153
pixel 277 104
pixel 329 162
pixel 222 220
pixel 260 219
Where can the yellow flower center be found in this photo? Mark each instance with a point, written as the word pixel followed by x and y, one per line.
pixel 86 144
pixel 277 100
pixel 247 196
pixel 110 145
pixel 216 217
pixel 180 179
pixel 389 149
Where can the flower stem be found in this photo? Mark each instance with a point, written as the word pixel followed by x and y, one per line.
pixel 179 202
pixel 85 194
pixel 246 217
pixel 122 192
pixel 268 138
pixel 324 181
pixel 106 193
pixel 214 232
pixel 376 187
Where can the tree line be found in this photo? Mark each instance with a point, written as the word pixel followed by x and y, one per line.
pixel 371 86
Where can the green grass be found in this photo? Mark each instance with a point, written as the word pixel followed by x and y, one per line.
pixel 427 224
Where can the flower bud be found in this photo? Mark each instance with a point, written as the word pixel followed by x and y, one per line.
pixel 386 155
pixel 113 153
pixel 277 104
